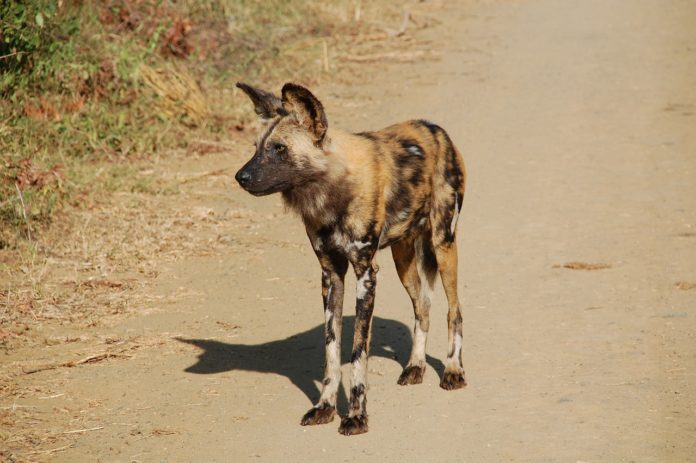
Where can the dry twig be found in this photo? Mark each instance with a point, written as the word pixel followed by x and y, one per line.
pixel 80 431
pixel 24 211
pixel 59 449
pixel 73 363
pixel 583 266
pixel 402 29
pixel 395 56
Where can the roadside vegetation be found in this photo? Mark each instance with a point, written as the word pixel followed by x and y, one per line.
pixel 115 116
pixel 96 97
pixel 90 82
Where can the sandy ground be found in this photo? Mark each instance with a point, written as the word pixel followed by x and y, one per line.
pixel 577 121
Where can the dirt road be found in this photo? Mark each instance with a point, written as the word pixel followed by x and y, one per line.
pixel 577 121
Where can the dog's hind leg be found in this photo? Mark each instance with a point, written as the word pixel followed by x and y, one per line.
pixel 443 220
pixel 417 268
pixel 453 377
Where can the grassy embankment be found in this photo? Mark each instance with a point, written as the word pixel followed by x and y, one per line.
pixel 115 116
pixel 92 91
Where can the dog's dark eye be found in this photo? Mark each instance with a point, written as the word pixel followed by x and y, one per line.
pixel 280 148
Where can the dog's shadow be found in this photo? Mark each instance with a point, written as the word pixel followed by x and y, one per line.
pixel 301 357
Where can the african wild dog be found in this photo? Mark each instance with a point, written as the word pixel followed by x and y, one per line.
pixel 401 186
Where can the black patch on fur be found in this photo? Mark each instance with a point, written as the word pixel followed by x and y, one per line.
pixel 409 175
pixel 364 330
pixel 364 308
pixel 311 104
pixel 412 156
pixel 433 128
pixel 372 232
pixel 356 353
pixel 356 393
pixel 447 215
pixel 416 176
pixel 266 104
pixel 334 267
pixel 421 212
pixel 403 161
pixel 429 259
pixel 330 335
pixel 261 146
pixel 400 200
pixel 444 215
pixel 337 261
pixel 453 173
pixel 325 280
pixel 369 135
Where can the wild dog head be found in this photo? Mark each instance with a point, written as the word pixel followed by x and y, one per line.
pixel 289 153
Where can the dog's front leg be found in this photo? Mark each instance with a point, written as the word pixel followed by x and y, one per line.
pixel 333 271
pixel 356 421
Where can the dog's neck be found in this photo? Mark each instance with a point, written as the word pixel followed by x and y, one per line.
pixel 323 201
pixel 318 204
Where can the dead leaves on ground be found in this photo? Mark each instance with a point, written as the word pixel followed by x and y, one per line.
pixel 685 285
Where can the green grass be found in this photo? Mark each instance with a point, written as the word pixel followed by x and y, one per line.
pixel 75 101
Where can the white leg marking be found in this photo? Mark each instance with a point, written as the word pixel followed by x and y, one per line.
pixel 420 336
pixel 457 344
pixel 328 392
pixel 455 216
pixel 361 289
pixel 360 244
pixel 426 287
pixel 327 309
pixel 453 362
pixel 332 351
pixel 358 375
pixel 418 352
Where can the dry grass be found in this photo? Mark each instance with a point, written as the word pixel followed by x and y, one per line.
pixel 32 427
pixel 96 263
pixel 145 77
pixel 685 285
pixel 27 435
pixel 179 95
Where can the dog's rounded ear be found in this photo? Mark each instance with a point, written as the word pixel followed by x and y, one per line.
pixel 266 104
pixel 306 109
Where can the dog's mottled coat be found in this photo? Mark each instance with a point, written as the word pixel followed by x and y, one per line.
pixel 402 187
